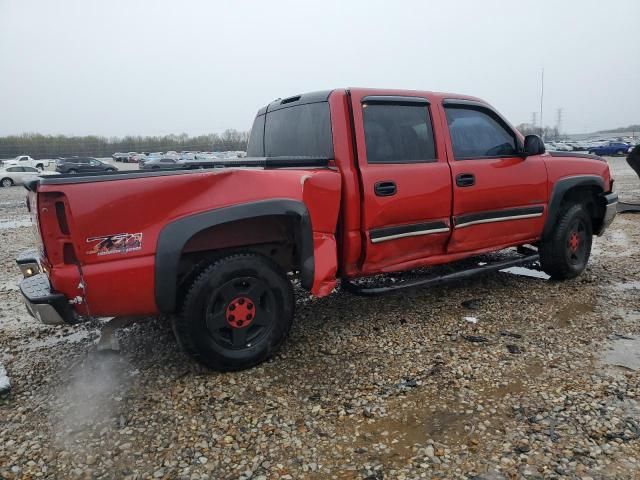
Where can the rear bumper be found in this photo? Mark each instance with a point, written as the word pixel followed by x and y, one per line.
pixel 42 302
pixel 610 210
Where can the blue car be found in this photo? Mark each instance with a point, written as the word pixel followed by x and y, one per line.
pixel 610 148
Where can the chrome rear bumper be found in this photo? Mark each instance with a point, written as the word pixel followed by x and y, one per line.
pixel 42 302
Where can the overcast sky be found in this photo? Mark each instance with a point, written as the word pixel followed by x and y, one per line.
pixel 155 67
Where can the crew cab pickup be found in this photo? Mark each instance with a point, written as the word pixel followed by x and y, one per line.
pixel 336 185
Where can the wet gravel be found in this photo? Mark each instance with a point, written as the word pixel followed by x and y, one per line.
pixel 505 376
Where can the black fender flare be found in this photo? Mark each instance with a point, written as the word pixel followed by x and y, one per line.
pixel 174 236
pixel 558 193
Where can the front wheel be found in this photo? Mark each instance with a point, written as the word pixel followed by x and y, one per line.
pixel 72 171
pixel 6 182
pixel 566 252
pixel 40 166
pixel 236 313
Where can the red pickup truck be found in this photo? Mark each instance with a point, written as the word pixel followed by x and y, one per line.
pixel 338 184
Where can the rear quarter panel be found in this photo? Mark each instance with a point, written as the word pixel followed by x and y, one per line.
pixel 122 282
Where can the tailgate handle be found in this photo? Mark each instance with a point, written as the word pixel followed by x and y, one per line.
pixel 465 180
pixel 385 189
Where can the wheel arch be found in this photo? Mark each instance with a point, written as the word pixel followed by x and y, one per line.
pixel 175 235
pixel 569 187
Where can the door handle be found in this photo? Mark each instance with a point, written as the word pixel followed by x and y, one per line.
pixel 385 189
pixel 465 180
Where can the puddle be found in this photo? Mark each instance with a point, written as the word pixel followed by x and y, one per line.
pixel 573 311
pixel 622 352
pixel 526 272
pixel 417 418
pixel 9 224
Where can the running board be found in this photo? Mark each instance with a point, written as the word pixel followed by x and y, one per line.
pixel 440 280
pixel 628 207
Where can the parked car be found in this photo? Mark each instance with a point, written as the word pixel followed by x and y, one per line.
pixel 138 157
pixel 157 163
pixel 355 183
pixel 18 175
pixel 147 158
pixel 172 155
pixel 610 148
pixel 26 161
pixel 119 156
pixel 83 165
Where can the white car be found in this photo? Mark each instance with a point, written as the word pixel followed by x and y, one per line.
pixel 16 175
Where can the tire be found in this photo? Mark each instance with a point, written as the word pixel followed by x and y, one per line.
pixel 111 170
pixel 40 166
pixel 72 171
pixel 620 152
pixel 6 182
pixel 566 252
pixel 236 313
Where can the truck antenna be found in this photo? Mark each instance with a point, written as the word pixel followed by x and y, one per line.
pixel 541 97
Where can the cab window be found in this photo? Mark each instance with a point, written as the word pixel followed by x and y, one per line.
pixel 398 132
pixel 476 133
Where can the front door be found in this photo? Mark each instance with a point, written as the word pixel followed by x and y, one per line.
pixel 499 197
pixel 405 180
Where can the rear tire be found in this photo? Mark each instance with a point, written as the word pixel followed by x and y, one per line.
pixel 72 171
pixel 6 182
pixel 566 252
pixel 236 313
pixel 40 166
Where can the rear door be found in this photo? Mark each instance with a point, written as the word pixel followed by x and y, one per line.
pixel 405 178
pixel 499 198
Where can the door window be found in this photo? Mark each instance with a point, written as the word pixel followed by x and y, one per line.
pixel 398 133
pixel 476 133
pixel 94 163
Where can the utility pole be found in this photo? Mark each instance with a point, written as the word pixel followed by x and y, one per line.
pixel 559 122
pixel 541 98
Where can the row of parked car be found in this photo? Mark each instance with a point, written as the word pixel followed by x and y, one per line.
pixel 22 169
pixel 598 147
pixel 186 155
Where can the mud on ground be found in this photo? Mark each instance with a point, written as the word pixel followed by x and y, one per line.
pixel 506 376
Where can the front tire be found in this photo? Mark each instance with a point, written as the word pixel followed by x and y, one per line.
pixel 565 253
pixel 236 313
pixel 6 182
pixel 72 171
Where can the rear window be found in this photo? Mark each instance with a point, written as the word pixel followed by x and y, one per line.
pixel 296 131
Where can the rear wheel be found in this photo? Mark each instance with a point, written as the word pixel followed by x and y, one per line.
pixel 236 313
pixel 72 171
pixel 40 166
pixel 566 253
pixel 6 182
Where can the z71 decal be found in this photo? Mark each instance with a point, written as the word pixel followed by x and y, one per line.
pixel 119 243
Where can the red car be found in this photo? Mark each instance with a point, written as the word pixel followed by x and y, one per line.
pixel 338 184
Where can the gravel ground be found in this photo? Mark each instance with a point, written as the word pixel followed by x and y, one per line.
pixel 540 381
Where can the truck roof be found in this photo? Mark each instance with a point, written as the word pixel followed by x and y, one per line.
pixel 323 96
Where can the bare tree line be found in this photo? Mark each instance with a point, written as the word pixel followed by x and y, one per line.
pixel 53 146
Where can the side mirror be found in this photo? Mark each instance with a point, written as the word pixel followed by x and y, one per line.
pixel 533 145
